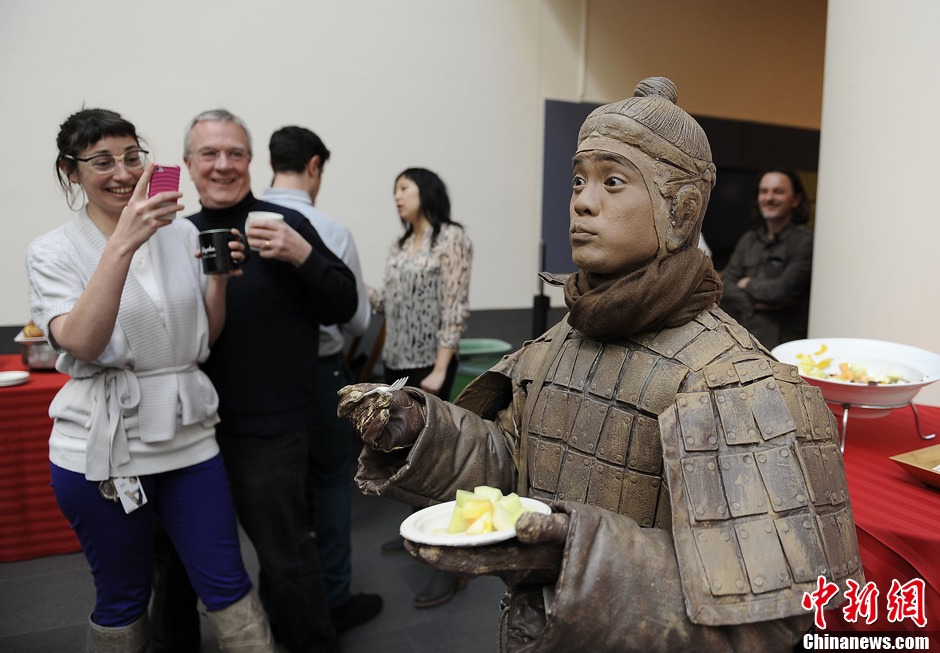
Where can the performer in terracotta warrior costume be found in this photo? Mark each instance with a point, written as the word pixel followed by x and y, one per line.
pixel 697 485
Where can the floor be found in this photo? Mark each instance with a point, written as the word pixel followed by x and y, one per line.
pixel 44 603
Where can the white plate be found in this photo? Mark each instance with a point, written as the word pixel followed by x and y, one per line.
pixel 22 338
pixel 14 377
pixel 429 526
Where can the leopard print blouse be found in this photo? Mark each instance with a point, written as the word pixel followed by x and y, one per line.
pixel 425 298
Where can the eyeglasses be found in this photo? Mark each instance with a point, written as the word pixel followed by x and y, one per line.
pixel 105 164
pixel 210 156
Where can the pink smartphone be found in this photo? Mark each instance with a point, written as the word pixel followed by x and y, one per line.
pixel 164 178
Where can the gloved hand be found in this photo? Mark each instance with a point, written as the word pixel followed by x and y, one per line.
pixel 386 421
pixel 533 558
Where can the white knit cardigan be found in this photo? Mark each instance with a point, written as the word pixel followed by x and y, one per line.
pixel 143 406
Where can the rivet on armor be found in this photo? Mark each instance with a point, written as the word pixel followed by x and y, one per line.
pixel 703 400
pixel 711 376
pixel 800 498
pixel 791 424
pixel 712 440
pixel 688 467
pixel 725 536
pixel 702 537
pixel 634 398
pixel 647 403
pixel 587 463
pixel 785 453
pixel 670 353
pixel 710 467
pixel 743 395
pixel 771 385
pixel 722 510
pixel 743 534
pixel 739 583
pixel 725 464
pixel 721 400
pixel 699 511
pixel 776 501
pixel 682 401
pixel 759 581
pixel 730 372
pixel 736 505
pixel 633 478
pixel 716 584
pixel 761 457
pixel 762 365
pixel 785 528
pixel 654 483
pixel 760 504
pixel 807 523
pixel 799 571
pixel 768 527
pixel 732 436
pixel 690 441
pixel 752 432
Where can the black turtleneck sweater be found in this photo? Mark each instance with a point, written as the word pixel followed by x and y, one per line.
pixel 263 363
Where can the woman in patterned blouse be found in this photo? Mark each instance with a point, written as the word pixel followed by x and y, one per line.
pixel 427 285
pixel 425 301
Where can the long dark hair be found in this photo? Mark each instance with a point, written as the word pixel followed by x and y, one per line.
pixel 80 130
pixel 435 203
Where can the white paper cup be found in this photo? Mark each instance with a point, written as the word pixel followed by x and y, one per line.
pixel 254 216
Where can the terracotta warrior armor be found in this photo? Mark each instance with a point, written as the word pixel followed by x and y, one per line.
pixel 696 482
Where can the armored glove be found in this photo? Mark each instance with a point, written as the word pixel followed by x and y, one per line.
pixel 385 419
pixel 534 558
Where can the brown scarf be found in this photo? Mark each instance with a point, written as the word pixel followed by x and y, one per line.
pixel 669 292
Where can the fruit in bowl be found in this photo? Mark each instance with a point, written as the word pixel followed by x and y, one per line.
pixel 876 373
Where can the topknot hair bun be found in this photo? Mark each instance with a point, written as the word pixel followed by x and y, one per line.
pixel 657 87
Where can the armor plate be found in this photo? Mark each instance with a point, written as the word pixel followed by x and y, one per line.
pixel 699 431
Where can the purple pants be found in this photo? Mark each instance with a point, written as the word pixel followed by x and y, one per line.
pixel 195 508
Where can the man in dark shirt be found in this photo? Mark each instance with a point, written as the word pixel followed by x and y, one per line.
pixel 263 366
pixel 767 279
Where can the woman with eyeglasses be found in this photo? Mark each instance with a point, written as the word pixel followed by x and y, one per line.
pixel 119 292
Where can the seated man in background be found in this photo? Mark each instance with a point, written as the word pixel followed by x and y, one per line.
pixel 768 275
pixel 696 483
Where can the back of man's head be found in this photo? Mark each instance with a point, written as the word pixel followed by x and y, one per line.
pixel 292 148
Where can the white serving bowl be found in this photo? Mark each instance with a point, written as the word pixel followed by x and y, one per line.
pixel 917 366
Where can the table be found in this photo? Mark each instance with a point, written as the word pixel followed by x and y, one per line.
pixel 897 518
pixel 31 524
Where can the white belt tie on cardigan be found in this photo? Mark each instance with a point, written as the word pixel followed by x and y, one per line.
pixel 118 390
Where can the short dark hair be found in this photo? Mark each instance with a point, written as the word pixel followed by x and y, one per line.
pixel 292 148
pixel 435 203
pixel 84 128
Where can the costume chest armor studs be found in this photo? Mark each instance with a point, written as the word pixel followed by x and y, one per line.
pixel 695 431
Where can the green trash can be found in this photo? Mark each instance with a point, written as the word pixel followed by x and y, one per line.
pixel 476 355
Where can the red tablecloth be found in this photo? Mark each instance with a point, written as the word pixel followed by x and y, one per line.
pixel 897 518
pixel 30 522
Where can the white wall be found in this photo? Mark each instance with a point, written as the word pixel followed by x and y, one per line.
pixel 451 86
pixel 457 86
pixel 875 267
